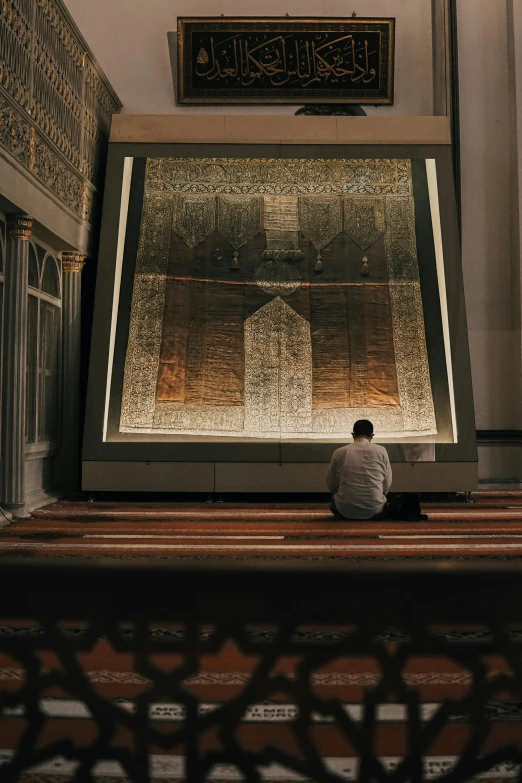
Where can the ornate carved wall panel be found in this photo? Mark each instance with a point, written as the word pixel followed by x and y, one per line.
pixel 277 344
pixel 55 104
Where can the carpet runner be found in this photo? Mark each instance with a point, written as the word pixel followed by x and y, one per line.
pixel 489 527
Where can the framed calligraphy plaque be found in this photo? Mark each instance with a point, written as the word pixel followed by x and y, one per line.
pixel 282 60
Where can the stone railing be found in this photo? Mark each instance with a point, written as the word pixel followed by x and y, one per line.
pixel 55 102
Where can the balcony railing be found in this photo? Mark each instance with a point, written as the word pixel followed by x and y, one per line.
pixel 55 102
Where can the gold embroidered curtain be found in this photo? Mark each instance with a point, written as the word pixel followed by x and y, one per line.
pixel 277 298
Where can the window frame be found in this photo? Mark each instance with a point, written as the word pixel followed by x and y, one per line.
pixel 35 448
pixel 3 261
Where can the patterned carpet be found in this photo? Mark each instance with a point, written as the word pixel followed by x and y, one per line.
pixel 490 527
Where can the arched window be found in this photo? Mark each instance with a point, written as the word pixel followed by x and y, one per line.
pixel 51 277
pixel 2 244
pixel 2 250
pixel 43 349
pixel 33 274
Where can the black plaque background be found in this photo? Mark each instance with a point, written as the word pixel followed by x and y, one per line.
pixel 196 33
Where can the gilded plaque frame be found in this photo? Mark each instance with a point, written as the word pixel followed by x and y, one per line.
pixel 187 59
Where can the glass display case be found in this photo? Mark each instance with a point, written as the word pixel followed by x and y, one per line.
pixel 266 296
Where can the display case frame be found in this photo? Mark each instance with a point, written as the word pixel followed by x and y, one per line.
pixel 195 464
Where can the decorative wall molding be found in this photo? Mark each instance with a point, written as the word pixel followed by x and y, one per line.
pixel 55 102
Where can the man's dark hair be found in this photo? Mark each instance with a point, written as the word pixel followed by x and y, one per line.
pixel 363 428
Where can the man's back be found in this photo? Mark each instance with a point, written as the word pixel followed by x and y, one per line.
pixel 359 478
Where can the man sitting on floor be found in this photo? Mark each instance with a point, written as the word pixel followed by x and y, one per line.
pixel 360 477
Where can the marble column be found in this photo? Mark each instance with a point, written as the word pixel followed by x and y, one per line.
pixel 19 228
pixel 69 461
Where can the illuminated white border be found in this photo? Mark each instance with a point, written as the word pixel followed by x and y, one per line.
pixel 431 171
pixel 122 230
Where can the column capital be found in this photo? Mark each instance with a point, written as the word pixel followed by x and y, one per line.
pixel 72 261
pixel 19 227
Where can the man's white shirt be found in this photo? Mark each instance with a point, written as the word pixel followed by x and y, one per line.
pixel 360 475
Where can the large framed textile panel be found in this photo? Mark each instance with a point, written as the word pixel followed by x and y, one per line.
pixel 258 299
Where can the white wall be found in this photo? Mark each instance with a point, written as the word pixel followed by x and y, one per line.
pixel 490 216
pixel 129 39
